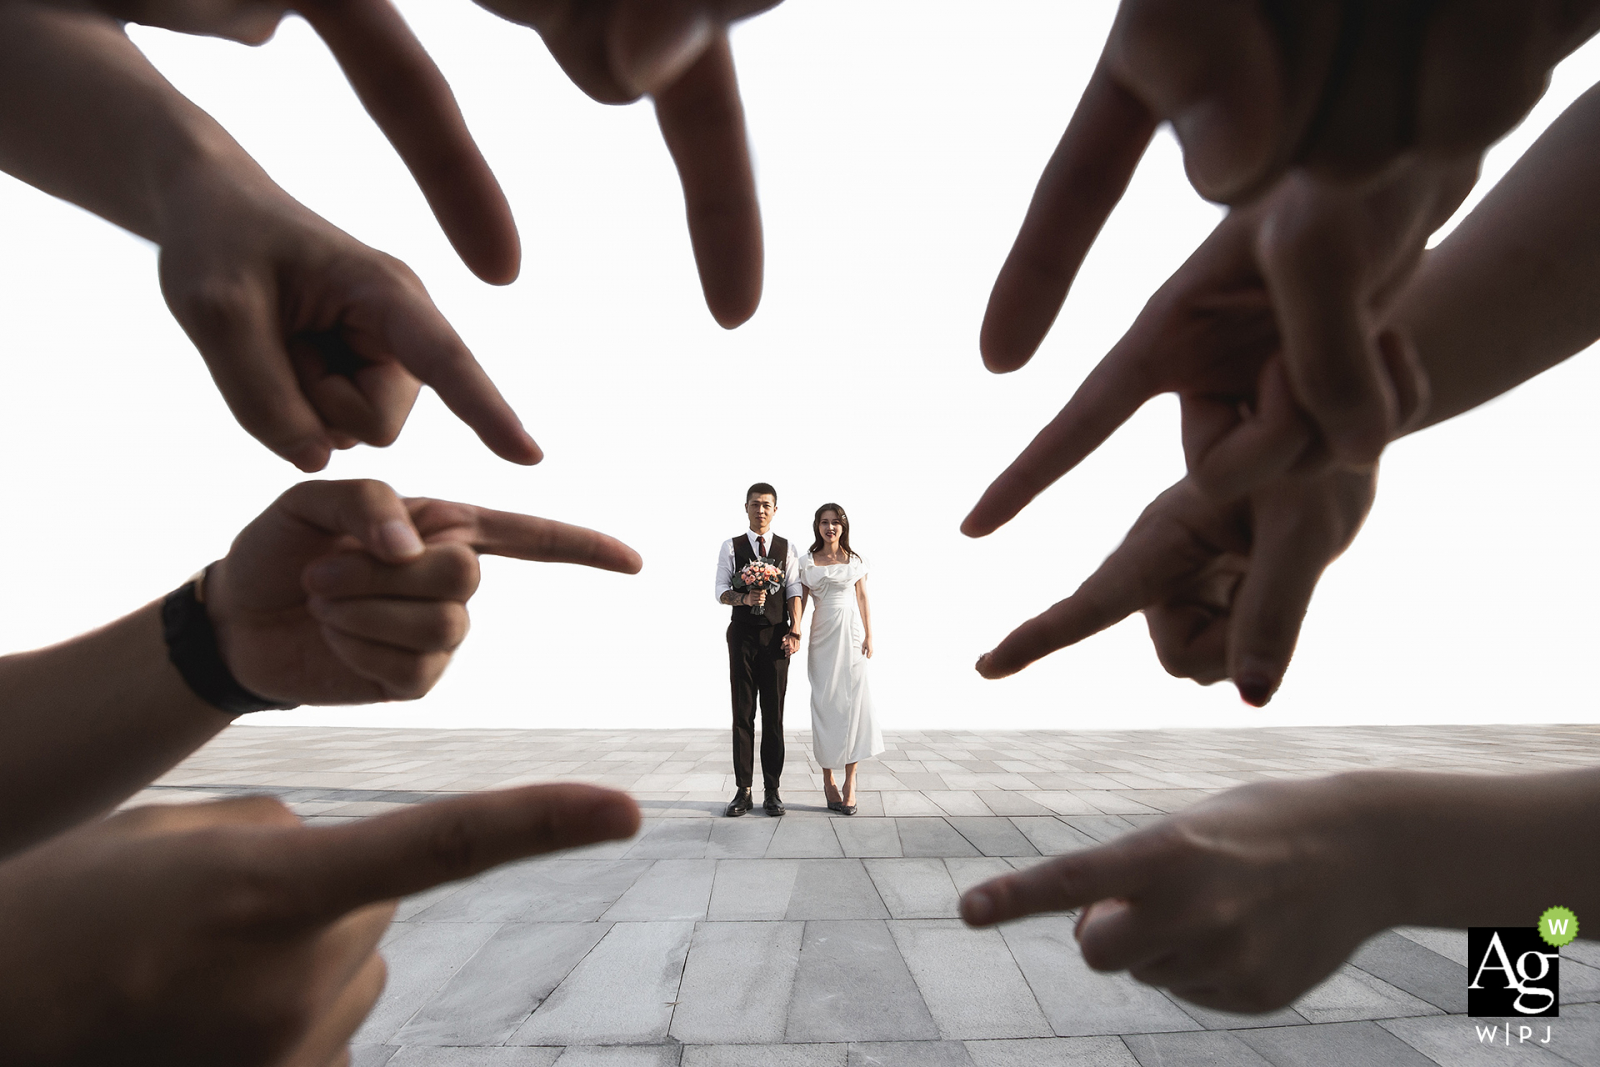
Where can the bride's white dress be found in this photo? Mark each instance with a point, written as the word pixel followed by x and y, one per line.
pixel 843 730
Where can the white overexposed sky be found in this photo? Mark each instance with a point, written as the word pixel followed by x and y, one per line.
pixel 896 146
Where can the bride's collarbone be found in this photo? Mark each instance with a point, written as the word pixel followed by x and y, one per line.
pixel 828 563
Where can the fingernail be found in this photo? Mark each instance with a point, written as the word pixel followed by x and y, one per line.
pixel 977 907
pixel 399 540
pixel 327 574
pixel 1255 682
pixel 982 666
pixel 655 62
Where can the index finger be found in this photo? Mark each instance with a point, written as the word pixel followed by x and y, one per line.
pixel 1165 547
pixel 414 331
pixel 411 102
pixel 1064 883
pixel 338 869
pixel 702 122
pixel 1086 176
pixel 506 533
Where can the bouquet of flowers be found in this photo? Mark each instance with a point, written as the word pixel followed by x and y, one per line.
pixel 759 576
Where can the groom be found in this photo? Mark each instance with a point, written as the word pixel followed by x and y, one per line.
pixel 759 646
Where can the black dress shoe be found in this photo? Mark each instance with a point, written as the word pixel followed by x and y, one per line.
pixel 740 803
pixel 836 805
pixel 846 809
pixel 772 805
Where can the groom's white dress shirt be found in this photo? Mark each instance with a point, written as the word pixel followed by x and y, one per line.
pixel 791 567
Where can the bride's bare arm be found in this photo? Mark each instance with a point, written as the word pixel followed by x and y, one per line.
pixel 866 617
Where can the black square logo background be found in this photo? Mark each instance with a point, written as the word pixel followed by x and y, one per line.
pixel 1497 992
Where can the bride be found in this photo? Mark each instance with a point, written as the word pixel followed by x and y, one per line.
pixel 843 731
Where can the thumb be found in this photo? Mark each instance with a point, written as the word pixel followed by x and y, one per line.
pixel 369 511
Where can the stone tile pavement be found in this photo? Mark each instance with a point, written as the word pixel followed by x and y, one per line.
pixel 820 941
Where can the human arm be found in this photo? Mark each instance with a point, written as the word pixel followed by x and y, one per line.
pixel 791 636
pixel 227 934
pixel 1249 898
pixel 866 616
pixel 315 340
pixel 726 593
pixel 339 593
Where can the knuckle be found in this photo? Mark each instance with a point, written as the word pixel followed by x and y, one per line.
pixel 412 676
pixel 459 570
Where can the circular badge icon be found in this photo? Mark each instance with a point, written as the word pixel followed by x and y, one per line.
pixel 1558 926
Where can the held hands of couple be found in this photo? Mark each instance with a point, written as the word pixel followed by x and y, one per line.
pixel 614 50
pixel 227 933
pixel 346 593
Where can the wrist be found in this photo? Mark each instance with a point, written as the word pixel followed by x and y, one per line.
pixel 195 648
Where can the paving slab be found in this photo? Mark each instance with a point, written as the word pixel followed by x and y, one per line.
pixel 1363 1044
pixel 752 889
pixel 737 983
pixel 1210 1048
pixel 1052 1052
pixel 909 1054
pixel 622 992
pixel 834 889
pixel 1078 1001
pixel 1457 1042
pixel 969 980
pixel 670 891
pixel 859 836
pixel 485 1001
pixel 853 985
pixel 914 888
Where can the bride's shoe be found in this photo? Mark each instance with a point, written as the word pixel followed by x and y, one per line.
pixel 834 805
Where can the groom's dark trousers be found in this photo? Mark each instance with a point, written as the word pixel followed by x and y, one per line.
pixel 757 668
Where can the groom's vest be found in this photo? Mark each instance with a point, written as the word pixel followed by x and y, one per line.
pixel 777 609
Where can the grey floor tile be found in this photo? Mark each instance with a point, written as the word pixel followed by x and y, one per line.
pixel 932 837
pixel 1349 994
pixel 1454 1041
pixel 1206 1049
pixel 737 983
pixel 852 985
pixel 969 981
pixel 967 872
pixel 500 986
pixel 803 838
pixel 671 890
pixel 1052 1052
pixel 914 888
pixel 1419 971
pixel 752 889
pixel 371 1055
pixel 558 890
pixel 1052 836
pixel 420 963
pixel 744 837
pixel 909 1054
pixel 1343 1044
pixel 867 837
pixel 621 993
pixel 834 889
pixel 993 836
pixel 1078 1001
pixel 620 1056
pixel 673 839
pixel 1451 944
pixel 1580 984
pixel 1010 802
pixel 1578 1039
pixel 1212 1019
pixel 1099 827
pixel 474 1057
pixel 765 1055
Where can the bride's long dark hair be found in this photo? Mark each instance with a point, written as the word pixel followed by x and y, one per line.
pixel 844 534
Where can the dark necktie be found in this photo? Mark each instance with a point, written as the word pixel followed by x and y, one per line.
pixel 761 546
